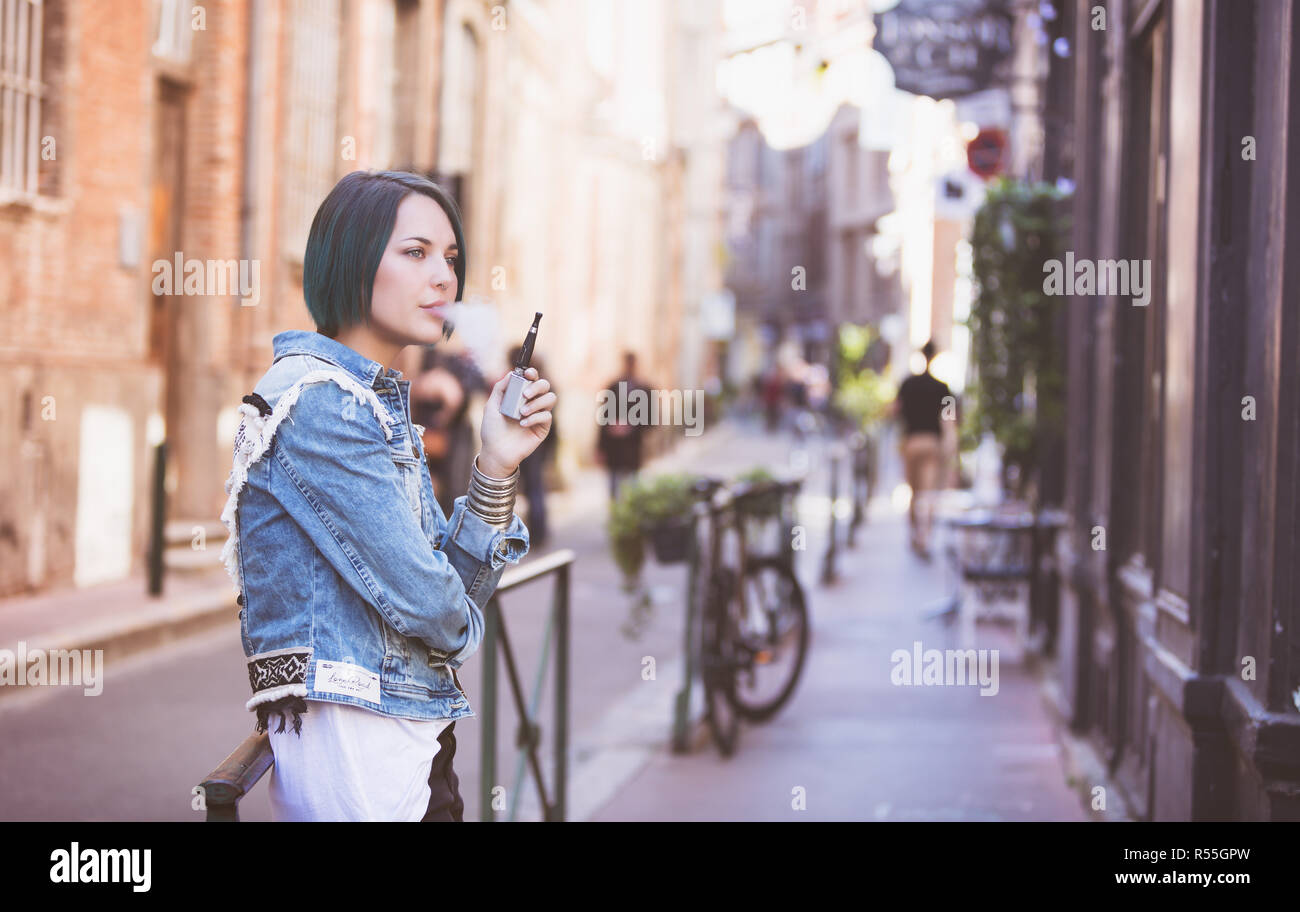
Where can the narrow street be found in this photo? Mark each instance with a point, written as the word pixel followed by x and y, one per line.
pixel 860 747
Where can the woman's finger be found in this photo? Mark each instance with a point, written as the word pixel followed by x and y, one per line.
pixel 546 402
pixel 536 389
pixel 542 405
pixel 537 418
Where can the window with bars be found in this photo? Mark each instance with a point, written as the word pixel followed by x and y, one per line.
pixel 311 147
pixel 24 101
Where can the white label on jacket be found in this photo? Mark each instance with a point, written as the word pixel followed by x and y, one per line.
pixel 347 680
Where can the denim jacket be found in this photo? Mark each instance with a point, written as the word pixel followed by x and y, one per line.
pixel 354 585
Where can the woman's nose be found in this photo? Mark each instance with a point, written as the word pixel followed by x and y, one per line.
pixel 442 274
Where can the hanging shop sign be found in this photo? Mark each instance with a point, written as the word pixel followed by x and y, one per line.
pixel 946 48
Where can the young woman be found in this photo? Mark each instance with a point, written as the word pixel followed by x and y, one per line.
pixel 358 595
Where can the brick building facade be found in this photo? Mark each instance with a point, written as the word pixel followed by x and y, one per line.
pixel 141 131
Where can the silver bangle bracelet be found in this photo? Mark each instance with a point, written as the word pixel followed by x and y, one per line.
pixel 490 482
pixel 493 512
pixel 498 518
pixel 492 499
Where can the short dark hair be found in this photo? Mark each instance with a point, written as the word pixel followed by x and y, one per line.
pixel 347 241
pixel 929 349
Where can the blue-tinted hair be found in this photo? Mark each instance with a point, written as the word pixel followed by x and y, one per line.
pixel 347 241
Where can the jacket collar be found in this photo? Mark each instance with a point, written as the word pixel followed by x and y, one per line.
pixel 300 342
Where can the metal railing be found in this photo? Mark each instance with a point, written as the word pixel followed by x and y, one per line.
pixel 863 453
pixel 857 455
pixel 830 573
pixel 235 776
pixel 529 733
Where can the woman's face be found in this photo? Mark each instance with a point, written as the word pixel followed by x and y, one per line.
pixel 416 279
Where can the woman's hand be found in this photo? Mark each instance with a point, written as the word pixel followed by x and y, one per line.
pixel 505 441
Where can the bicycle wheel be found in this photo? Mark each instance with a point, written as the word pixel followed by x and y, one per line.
pixel 717 661
pixel 772 640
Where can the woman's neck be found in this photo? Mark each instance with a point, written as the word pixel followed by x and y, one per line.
pixel 364 341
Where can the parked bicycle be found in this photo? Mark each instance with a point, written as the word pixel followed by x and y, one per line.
pixel 751 612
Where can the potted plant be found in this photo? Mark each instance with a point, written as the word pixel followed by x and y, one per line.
pixel 862 393
pixel 762 506
pixel 658 509
pixel 625 539
pixel 1017 347
pixel 664 505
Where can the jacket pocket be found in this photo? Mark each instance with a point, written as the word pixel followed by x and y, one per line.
pixel 438 683
pixel 412 669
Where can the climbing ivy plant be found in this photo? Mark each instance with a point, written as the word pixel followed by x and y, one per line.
pixel 1016 350
pixel 862 394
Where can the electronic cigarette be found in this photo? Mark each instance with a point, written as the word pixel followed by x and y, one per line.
pixel 514 394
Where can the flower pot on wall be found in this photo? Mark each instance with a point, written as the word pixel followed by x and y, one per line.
pixel 670 540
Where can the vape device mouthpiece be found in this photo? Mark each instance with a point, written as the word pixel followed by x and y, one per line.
pixel 514 394
pixel 526 350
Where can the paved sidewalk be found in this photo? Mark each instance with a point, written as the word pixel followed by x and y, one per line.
pixel 853 745
pixel 120 617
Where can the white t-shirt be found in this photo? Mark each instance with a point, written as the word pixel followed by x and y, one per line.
pixel 349 763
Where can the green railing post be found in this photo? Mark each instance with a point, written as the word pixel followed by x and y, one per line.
pixel 496 646
pixel 856 456
pixel 789 517
pixel 829 573
pixel 158 520
pixel 682 706
pixel 561 608
pixel 488 758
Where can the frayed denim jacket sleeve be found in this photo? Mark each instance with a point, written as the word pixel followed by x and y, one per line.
pixel 358 517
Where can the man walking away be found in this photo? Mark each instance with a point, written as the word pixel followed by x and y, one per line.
pixel 920 403
pixel 619 445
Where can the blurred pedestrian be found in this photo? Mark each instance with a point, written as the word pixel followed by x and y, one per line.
pixel 444 399
pixel 619 443
pixel 532 471
pixel 772 395
pixel 920 404
pixel 818 386
pixel 796 388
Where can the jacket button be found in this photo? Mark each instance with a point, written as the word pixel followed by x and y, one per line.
pixel 415 452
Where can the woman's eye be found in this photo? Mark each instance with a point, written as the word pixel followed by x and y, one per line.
pixel 417 250
pixel 451 261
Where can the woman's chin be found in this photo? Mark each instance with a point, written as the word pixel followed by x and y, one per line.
pixel 429 328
